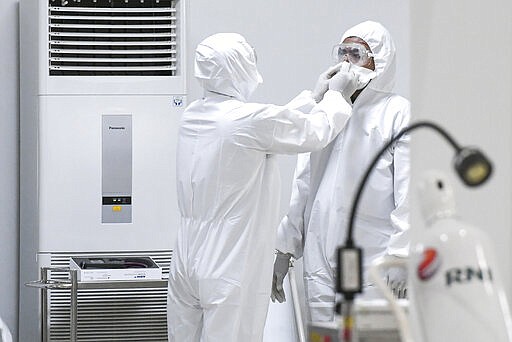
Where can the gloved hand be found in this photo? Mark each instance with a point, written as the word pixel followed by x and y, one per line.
pixel 281 265
pixel 344 81
pixel 322 85
pixel 396 278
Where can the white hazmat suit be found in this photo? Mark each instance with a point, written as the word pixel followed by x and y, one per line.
pixel 325 183
pixel 228 192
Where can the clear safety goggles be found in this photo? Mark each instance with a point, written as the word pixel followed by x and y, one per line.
pixel 353 53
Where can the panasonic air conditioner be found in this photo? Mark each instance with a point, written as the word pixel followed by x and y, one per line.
pixel 102 87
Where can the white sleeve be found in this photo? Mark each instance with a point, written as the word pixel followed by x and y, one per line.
pixel 399 241
pixel 290 232
pixel 303 102
pixel 281 129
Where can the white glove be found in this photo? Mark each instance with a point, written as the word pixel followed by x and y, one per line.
pixel 345 81
pixel 281 265
pixel 322 85
pixel 396 278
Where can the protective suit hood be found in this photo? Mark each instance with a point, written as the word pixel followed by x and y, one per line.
pixel 381 43
pixel 226 64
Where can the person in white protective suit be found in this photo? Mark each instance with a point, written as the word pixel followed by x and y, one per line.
pixel 228 189
pixel 325 181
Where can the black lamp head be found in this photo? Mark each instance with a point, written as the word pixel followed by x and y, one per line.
pixel 472 166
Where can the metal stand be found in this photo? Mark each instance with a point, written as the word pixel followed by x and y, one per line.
pixel 46 284
pixel 73 285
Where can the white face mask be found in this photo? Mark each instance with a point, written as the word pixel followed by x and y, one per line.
pixel 364 75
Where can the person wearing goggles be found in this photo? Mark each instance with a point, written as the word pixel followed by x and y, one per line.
pixel 325 180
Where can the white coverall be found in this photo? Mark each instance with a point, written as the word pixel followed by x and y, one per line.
pixel 228 193
pixel 325 183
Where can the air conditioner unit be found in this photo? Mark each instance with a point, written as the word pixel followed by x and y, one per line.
pixel 102 87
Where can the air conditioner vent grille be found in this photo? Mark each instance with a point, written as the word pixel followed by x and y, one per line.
pixel 133 314
pixel 113 37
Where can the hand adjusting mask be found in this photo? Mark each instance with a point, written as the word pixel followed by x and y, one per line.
pixel 357 55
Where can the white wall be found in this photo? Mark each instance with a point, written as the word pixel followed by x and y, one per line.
pixel 458 82
pixel 9 133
